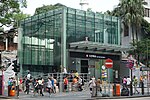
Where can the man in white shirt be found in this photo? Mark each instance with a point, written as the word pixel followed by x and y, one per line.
pixel 128 81
pixel 28 76
pixel 49 86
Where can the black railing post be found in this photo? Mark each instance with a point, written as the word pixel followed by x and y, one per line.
pixel 114 89
pixel 142 88
pixel 131 89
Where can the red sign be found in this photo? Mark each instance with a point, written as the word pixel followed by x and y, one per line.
pixel 108 63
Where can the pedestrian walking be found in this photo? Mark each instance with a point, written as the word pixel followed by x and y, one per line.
pixel 128 81
pixel 65 83
pixel 125 81
pixel 92 84
pixel 79 83
pixel 27 85
pixel 135 82
pixel 74 84
pixel 28 78
pixel 99 82
pixel 36 86
pixel 49 86
pixel 40 82
pixel 53 85
pixel 141 81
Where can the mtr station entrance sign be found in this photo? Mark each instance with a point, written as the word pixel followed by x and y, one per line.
pixel 108 63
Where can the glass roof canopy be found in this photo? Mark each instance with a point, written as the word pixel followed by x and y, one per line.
pixel 97 46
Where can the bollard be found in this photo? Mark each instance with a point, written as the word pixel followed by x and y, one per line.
pixel 142 88
pixel 131 90
pixel 96 91
pixel 9 88
pixel 114 89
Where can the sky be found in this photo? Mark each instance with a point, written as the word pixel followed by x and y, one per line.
pixel 95 5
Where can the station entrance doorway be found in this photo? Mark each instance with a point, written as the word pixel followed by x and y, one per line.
pixel 91 64
pixel 84 66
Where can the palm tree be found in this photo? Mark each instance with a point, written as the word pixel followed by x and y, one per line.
pixel 139 16
pixel 131 13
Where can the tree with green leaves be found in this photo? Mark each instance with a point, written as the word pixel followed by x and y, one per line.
pixel 131 12
pixel 9 10
pixel 132 15
pixel 146 28
pixel 10 16
pixel 142 50
pixel 46 8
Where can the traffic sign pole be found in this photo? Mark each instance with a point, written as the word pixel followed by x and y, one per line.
pixel 109 81
pixel 130 66
pixel 108 64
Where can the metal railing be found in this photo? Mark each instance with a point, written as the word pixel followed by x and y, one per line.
pixel 60 76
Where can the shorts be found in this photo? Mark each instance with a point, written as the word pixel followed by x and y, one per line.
pixel 48 89
pixel 65 87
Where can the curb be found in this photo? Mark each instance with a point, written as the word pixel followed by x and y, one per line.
pixel 6 97
pixel 120 97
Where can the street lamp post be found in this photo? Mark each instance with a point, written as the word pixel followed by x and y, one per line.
pixel 147 66
pixel 2 81
pixel 131 89
pixel 130 65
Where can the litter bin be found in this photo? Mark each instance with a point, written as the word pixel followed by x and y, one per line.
pixel 116 90
pixel 12 91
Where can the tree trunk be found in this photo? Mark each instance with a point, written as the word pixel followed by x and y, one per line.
pixel 137 30
pixel 133 39
pixel 132 34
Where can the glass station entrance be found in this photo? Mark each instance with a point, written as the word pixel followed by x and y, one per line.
pixel 92 63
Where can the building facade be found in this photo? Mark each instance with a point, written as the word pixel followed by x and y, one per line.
pixel 8 47
pixel 147 11
pixel 70 38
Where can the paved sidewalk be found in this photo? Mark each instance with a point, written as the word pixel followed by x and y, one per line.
pixel 84 95
pixel 58 96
